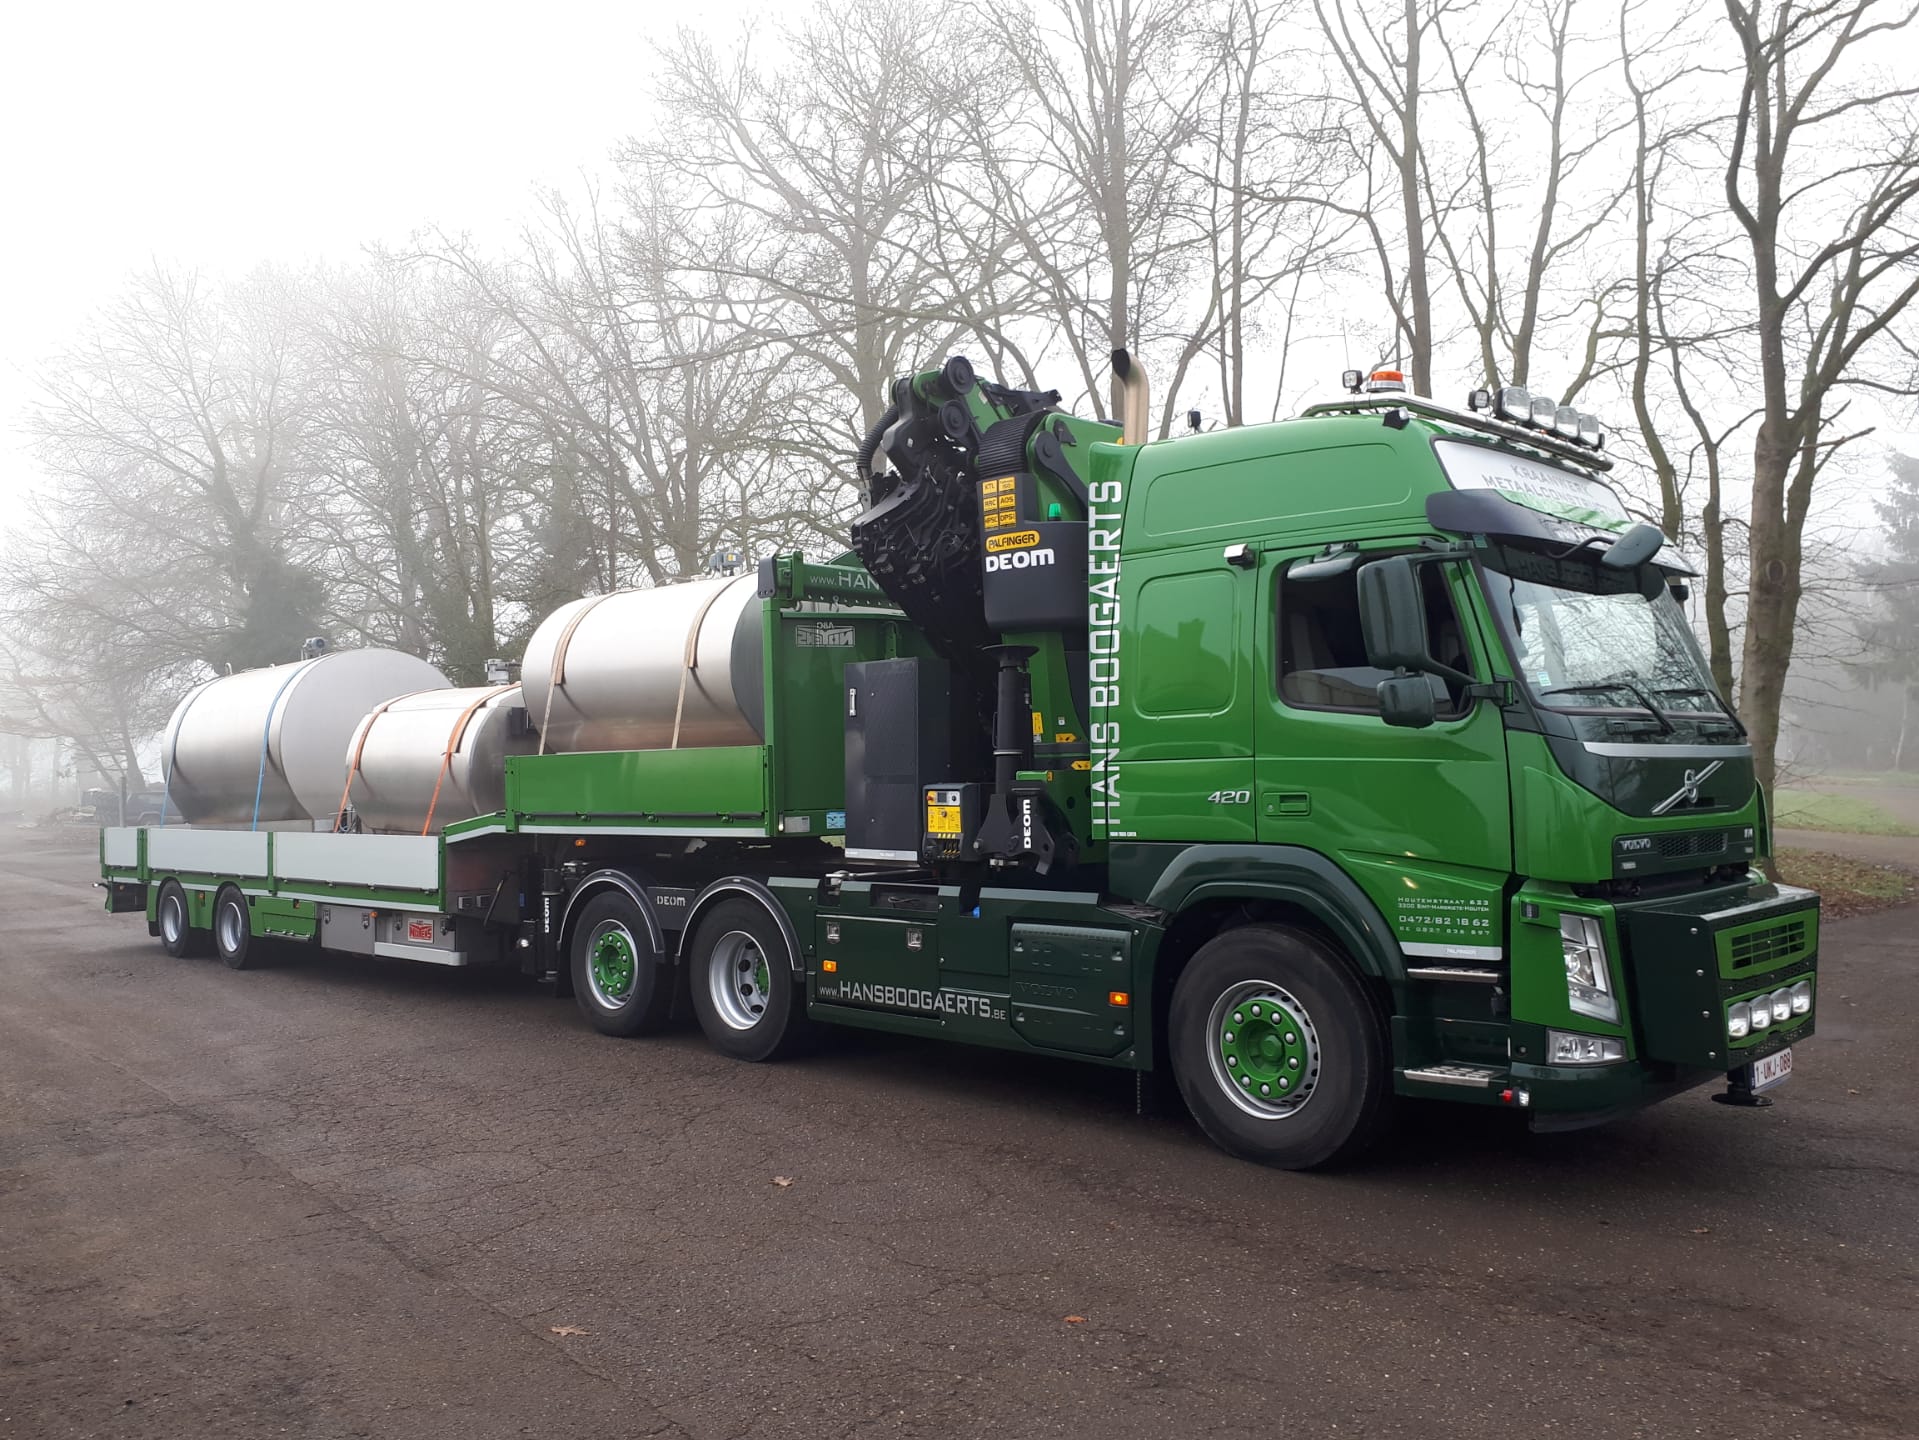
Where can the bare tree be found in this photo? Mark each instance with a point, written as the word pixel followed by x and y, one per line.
pixel 173 533
pixel 1822 177
pixel 1087 179
pixel 1380 51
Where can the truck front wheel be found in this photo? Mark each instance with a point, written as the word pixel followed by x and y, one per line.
pixel 1277 1049
pixel 620 980
pixel 749 1000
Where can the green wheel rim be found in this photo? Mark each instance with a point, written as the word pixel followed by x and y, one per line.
pixel 1264 1049
pixel 612 966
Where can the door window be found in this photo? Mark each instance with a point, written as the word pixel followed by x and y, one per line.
pixel 1322 654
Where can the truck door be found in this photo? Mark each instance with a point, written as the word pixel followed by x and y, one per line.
pixel 1187 707
pixel 1419 818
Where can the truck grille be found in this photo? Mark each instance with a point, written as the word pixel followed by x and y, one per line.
pixel 1677 844
pixel 1769 945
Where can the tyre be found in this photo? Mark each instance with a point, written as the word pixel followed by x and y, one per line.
pixel 1280 1054
pixel 177 935
pixel 750 1003
pixel 233 930
pixel 622 983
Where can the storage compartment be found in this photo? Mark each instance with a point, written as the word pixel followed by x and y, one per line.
pixel 897 736
pixel 1066 980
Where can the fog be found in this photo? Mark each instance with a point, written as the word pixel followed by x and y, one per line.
pixel 378 246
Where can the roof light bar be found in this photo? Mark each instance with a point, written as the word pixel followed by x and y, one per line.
pixel 1517 405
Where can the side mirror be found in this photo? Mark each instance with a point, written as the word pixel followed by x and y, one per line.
pixel 1407 700
pixel 1392 616
pixel 1634 548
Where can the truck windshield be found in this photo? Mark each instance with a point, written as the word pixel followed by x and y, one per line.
pixel 1585 638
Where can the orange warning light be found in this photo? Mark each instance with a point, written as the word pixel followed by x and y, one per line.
pixel 1118 997
pixel 829 966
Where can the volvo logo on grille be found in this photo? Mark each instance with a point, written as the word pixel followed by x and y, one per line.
pixel 1688 792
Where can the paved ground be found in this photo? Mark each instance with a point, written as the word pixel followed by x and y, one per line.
pixel 330 1199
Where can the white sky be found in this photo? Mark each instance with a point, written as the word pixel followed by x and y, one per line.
pixel 221 134
pixel 224 134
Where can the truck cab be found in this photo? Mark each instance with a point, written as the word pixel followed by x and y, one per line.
pixel 1387 655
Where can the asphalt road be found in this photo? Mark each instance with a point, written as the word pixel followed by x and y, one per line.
pixel 340 1199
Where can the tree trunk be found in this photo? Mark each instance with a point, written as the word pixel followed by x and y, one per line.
pixel 1418 296
pixel 1772 603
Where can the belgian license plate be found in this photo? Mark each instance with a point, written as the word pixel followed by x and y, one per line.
pixel 1771 1069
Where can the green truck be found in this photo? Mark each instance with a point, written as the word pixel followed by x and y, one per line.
pixel 1361 755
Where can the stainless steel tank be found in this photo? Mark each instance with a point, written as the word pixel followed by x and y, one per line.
pixel 610 672
pixel 280 733
pixel 403 746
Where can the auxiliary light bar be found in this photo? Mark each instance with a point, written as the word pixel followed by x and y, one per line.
pixel 1517 405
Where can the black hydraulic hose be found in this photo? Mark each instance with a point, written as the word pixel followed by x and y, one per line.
pixel 863 461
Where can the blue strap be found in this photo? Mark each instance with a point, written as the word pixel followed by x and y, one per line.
pixel 266 731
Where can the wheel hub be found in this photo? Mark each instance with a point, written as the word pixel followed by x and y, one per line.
pixel 613 967
pixel 739 980
pixel 1265 1049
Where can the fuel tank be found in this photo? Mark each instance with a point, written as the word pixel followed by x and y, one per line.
pixel 453 742
pixel 613 672
pixel 270 744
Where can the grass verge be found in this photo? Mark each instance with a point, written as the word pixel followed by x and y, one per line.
pixel 1803 809
pixel 1847 886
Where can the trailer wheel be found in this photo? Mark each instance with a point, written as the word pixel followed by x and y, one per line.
pixel 620 980
pixel 177 935
pixel 1278 1051
pixel 749 1001
pixel 233 930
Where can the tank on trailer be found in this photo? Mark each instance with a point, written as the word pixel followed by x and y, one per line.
pixel 677 666
pixel 423 761
pixel 269 746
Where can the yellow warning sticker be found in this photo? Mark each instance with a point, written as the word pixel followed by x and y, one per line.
pixel 1017 540
pixel 942 819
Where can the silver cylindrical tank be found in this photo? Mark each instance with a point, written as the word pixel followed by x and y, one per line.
pixel 610 672
pixel 279 733
pixel 402 747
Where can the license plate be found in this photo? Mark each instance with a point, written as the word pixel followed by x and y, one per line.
pixel 1772 1069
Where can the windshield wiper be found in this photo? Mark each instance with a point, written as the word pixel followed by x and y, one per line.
pixel 1726 711
pixel 1620 682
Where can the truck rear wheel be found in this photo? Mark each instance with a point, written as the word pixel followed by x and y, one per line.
pixel 750 1002
pixel 620 980
pixel 177 935
pixel 1277 1049
pixel 233 929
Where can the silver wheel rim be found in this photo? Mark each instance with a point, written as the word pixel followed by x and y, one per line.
pixel 739 979
pixel 172 919
pixel 233 927
pixel 1262 1003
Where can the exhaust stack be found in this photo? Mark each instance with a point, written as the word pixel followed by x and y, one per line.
pixel 1132 398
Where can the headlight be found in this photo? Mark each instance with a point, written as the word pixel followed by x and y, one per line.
pixel 1513 404
pixel 1739 1020
pixel 1781 1002
pixel 1569 1049
pixel 1802 998
pixel 1588 982
pixel 1762 1012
